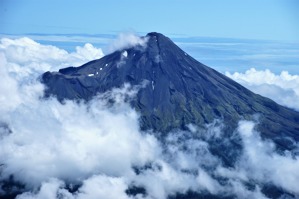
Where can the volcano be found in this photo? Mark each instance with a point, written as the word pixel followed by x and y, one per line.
pixel 146 121
pixel 179 91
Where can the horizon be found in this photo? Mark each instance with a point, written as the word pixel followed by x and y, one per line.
pixel 262 20
pixel 90 108
pixel 223 54
pixel 260 34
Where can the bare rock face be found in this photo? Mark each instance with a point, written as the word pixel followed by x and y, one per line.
pixel 180 90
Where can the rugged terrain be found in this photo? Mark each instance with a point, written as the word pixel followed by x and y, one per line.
pixel 179 91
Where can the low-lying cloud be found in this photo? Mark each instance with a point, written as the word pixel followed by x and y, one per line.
pixel 282 88
pixel 26 56
pixel 79 150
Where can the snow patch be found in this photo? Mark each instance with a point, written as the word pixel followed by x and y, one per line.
pixel 125 54
pixel 153 85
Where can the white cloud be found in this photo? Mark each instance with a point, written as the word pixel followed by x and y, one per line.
pixel 241 191
pixel 72 141
pixel 95 39
pixel 282 88
pixel 261 162
pixel 127 40
pixel 48 190
pixel 95 187
pixel 54 146
pixel 65 141
pixel 8 88
pixel 103 187
pixel 206 182
pixel 26 56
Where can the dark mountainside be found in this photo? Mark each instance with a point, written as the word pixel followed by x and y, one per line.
pixel 180 91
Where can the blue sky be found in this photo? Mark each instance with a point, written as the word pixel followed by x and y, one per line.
pixel 230 35
pixel 250 19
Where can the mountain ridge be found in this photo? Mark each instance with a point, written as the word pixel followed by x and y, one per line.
pixel 181 90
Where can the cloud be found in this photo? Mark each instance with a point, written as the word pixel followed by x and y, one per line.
pixel 44 144
pixel 48 190
pixel 282 88
pixel 26 56
pixel 103 187
pixel 9 91
pixel 99 186
pixel 23 60
pixel 71 38
pixel 127 40
pixel 262 163
pixel 79 150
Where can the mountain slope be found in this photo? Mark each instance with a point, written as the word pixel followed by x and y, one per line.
pixel 180 90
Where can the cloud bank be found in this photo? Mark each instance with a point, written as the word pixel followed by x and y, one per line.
pixel 282 88
pixel 92 150
pixel 26 56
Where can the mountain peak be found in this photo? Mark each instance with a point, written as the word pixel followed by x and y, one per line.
pixel 181 90
pixel 154 34
pixel 155 38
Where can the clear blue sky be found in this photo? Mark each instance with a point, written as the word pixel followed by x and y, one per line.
pixel 251 19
